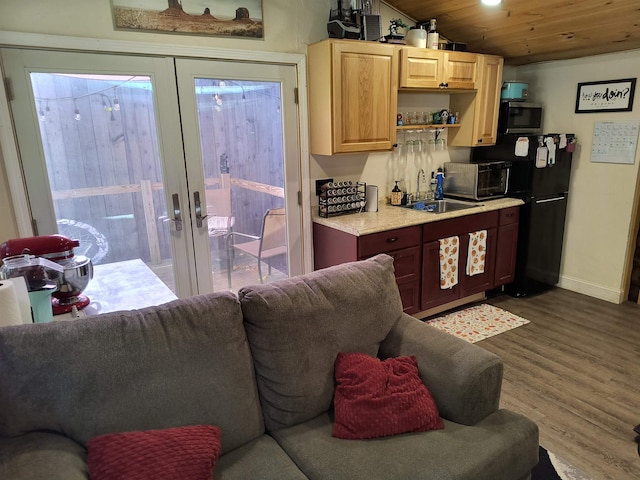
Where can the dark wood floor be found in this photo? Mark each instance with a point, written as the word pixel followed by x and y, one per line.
pixel 575 371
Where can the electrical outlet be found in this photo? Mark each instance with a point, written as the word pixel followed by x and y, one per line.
pixel 320 183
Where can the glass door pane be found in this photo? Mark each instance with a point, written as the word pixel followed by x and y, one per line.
pixel 107 188
pixel 98 172
pixel 242 156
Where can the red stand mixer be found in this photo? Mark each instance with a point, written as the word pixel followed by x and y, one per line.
pixel 78 270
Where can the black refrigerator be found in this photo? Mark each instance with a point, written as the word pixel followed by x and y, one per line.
pixel 544 190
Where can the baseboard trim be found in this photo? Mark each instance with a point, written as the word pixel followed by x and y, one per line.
pixel 591 289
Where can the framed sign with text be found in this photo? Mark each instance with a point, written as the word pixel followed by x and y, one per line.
pixel 606 96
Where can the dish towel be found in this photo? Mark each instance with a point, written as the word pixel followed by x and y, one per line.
pixel 449 262
pixel 476 252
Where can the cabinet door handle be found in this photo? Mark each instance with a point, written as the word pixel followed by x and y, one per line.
pixel 444 85
pixel 392 239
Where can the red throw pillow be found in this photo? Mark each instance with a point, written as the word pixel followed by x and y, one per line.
pixel 377 398
pixel 181 453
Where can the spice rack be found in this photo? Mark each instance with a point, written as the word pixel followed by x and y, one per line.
pixel 339 198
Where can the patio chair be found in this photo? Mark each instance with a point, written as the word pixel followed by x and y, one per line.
pixel 271 242
pixel 220 220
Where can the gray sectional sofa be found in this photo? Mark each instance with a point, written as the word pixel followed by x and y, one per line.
pixel 260 366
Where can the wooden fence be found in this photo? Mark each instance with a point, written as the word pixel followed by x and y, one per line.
pixel 104 167
pixel 146 188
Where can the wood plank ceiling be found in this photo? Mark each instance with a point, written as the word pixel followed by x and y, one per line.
pixel 530 31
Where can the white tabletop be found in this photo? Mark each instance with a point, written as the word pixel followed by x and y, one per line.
pixel 124 285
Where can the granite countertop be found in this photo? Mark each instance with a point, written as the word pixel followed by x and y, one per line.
pixel 389 217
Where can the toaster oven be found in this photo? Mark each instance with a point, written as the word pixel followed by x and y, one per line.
pixel 477 181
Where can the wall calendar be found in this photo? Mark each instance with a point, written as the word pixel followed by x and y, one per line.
pixel 615 142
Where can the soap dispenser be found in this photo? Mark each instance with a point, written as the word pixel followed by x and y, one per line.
pixel 396 194
pixel 439 193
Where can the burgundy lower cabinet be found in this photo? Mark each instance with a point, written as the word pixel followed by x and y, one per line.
pixel 416 254
pixel 507 246
pixel 331 247
pixel 432 295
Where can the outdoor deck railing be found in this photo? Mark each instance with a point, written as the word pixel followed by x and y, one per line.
pixel 146 188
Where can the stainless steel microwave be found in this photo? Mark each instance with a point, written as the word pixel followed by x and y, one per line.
pixel 477 181
pixel 520 118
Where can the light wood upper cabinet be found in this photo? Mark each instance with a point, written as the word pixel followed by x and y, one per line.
pixel 420 68
pixel 460 70
pixel 479 111
pixel 353 96
pixel 424 68
pixel 488 100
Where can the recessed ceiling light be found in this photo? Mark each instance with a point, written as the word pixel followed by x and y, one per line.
pixel 491 3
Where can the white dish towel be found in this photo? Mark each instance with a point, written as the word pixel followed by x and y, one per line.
pixel 449 248
pixel 476 252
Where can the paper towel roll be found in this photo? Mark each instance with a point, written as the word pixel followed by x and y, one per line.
pixel 9 306
pixel 371 196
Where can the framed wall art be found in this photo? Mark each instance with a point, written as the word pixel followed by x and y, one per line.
pixel 233 18
pixel 606 96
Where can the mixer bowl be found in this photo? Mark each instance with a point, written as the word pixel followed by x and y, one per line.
pixel 78 271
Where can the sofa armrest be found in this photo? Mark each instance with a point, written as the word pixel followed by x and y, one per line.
pixel 42 456
pixel 464 379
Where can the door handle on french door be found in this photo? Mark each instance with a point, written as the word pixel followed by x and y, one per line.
pixel 198 205
pixel 177 214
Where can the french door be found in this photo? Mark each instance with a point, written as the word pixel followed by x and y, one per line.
pixel 175 162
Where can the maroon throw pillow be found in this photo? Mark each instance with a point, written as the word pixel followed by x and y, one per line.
pixel 181 453
pixel 375 398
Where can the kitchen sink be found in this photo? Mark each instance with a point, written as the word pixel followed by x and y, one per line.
pixel 442 206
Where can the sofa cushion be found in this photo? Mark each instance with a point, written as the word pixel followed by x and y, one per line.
pixel 180 453
pixel 183 363
pixel 377 398
pixel 42 456
pixel 261 459
pixel 502 446
pixel 297 326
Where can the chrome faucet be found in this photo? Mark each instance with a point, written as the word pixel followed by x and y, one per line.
pixel 420 173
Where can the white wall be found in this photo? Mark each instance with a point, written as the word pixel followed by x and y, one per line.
pixel 602 197
pixel 92 18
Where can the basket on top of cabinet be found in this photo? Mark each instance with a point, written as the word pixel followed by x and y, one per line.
pixel 338 198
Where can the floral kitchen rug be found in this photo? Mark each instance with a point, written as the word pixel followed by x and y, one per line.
pixel 478 322
pixel 552 467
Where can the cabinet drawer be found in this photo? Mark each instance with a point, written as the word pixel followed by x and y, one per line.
pixel 407 263
pixel 388 241
pixel 509 215
pixel 457 226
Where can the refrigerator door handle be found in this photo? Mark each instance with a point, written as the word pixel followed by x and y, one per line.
pixel 547 200
pixel 506 187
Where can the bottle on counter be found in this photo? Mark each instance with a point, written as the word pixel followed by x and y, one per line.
pixel 396 194
pixel 439 193
pixel 430 195
pixel 433 37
